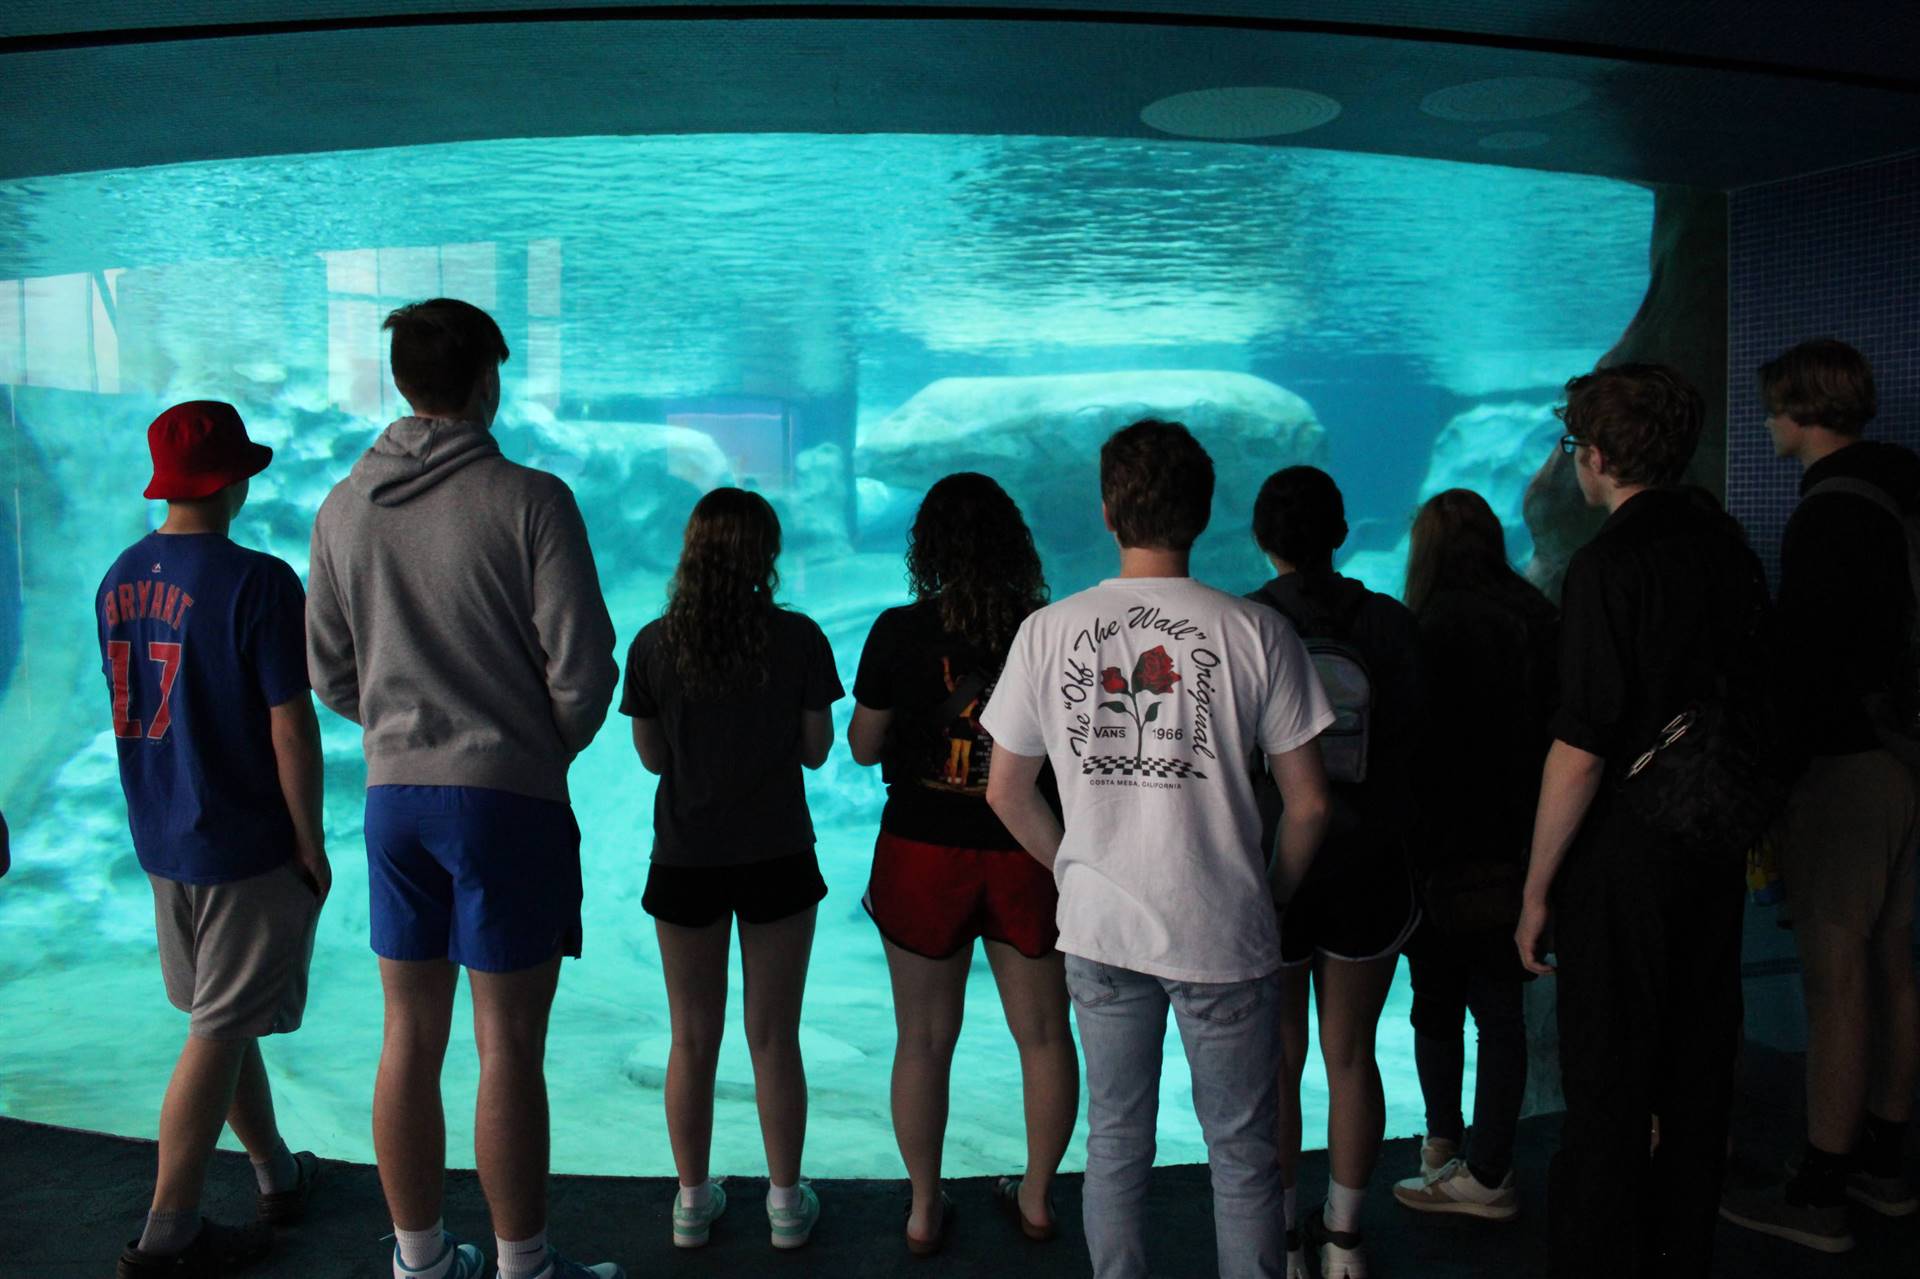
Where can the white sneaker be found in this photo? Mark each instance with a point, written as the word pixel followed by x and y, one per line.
pixel 1435 1154
pixel 692 1227
pixel 1297 1263
pixel 1342 1255
pixel 1456 1190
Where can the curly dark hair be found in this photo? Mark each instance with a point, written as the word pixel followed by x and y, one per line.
pixel 1644 418
pixel 720 602
pixel 971 550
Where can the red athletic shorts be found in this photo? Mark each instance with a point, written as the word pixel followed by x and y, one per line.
pixel 933 900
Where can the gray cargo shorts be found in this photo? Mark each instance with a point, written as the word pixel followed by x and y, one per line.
pixel 235 956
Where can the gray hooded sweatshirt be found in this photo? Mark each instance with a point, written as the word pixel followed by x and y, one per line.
pixel 453 612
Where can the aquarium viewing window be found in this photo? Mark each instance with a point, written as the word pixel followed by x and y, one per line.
pixel 834 320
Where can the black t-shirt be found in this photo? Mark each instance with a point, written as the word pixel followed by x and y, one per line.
pixel 732 792
pixel 935 765
pixel 1658 604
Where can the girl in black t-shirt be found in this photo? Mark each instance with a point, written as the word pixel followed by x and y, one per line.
pixel 945 871
pixel 730 697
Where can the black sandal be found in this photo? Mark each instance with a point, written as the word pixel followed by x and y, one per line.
pixel 938 1244
pixel 216 1250
pixel 1007 1191
pixel 285 1207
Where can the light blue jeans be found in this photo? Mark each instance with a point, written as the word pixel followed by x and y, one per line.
pixel 1231 1032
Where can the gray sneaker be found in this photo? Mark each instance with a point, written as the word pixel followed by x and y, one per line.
pixel 1820 1227
pixel 1888 1196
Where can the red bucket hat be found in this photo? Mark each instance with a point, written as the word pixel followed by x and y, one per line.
pixel 199 448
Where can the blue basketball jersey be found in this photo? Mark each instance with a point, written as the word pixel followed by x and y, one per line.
pixel 198 639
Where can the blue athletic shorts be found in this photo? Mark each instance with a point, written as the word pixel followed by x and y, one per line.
pixel 485 878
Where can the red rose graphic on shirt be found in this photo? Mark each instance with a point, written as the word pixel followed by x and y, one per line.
pixel 1154 672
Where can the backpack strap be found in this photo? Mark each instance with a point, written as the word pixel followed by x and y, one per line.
pixel 1856 487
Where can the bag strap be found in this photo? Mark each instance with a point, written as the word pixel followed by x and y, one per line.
pixel 1855 487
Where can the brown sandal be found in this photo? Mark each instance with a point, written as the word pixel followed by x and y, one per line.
pixel 938 1244
pixel 1007 1191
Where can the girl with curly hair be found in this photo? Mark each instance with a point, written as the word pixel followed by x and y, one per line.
pixel 730 697
pixel 945 870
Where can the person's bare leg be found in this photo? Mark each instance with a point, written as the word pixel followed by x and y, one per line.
pixel 1295 985
pixel 929 1002
pixel 1833 967
pixel 773 964
pixel 1349 997
pixel 694 963
pixel 1034 994
pixel 409 1127
pixel 510 1133
pixel 198 1097
pixel 251 1114
pixel 1896 1022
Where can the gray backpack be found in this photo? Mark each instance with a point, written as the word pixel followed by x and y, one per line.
pixel 1343 672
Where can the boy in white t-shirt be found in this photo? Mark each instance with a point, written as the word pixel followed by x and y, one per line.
pixel 1148 692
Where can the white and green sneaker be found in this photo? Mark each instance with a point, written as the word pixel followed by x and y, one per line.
pixel 792 1227
pixel 692 1227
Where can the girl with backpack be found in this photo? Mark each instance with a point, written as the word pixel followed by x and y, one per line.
pixel 730 697
pixel 1343 928
pixel 945 871
pixel 1489 640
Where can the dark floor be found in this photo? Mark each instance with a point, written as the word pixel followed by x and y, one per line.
pixel 69 1199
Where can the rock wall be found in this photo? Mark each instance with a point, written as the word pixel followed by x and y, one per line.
pixel 1681 322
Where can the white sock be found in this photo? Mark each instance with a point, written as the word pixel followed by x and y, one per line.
pixel 1290 1196
pixel 522 1260
pixel 420 1248
pixel 1343 1207
pixel 696 1198
pixel 782 1198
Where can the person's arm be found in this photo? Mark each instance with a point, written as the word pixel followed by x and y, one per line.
pixel 650 743
pixel 570 616
pixel 332 664
pixel 867 734
pixel 6 848
pixel 1013 792
pixel 1303 822
pixel 295 731
pixel 816 737
pixel 1568 784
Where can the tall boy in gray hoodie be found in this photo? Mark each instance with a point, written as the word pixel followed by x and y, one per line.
pixel 453 612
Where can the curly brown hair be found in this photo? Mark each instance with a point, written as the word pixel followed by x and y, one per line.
pixel 971 550
pixel 720 602
pixel 1644 418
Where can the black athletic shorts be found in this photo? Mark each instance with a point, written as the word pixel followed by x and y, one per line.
pixel 759 892
pixel 1351 917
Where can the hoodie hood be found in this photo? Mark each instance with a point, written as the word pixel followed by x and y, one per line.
pixel 415 454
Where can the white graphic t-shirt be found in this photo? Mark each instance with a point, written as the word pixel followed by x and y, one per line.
pixel 1148 694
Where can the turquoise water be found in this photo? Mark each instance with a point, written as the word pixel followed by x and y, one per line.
pixel 834 320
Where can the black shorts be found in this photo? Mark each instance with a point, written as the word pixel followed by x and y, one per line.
pixel 758 892
pixel 1350 917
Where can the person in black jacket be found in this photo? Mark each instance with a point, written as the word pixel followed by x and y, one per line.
pixel 1846 846
pixel 1655 609
pixel 1487 639
pixel 1342 931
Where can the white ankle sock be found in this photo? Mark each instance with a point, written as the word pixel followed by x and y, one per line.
pixel 169 1233
pixel 1290 1196
pixel 420 1248
pixel 1343 1207
pixel 782 1198
pixel 522 1260
pixel 696 1198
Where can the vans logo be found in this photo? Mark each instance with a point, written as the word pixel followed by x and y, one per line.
pixel 1109 730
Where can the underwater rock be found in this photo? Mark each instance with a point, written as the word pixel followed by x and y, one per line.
pixel 635 482
pixel 1493 449
pixel 1040 438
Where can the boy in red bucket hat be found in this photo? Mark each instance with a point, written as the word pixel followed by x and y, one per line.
pixel 203 646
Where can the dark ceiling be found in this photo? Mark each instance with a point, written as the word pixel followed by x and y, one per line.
pixel 1707 94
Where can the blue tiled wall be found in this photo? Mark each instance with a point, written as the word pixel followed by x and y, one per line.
pixel 1834 254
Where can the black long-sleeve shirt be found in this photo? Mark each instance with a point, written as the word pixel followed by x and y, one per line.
pixel 1846 595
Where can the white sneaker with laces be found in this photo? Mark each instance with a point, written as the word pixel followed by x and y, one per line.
pixel 1435 1154
pixel 1457 1191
